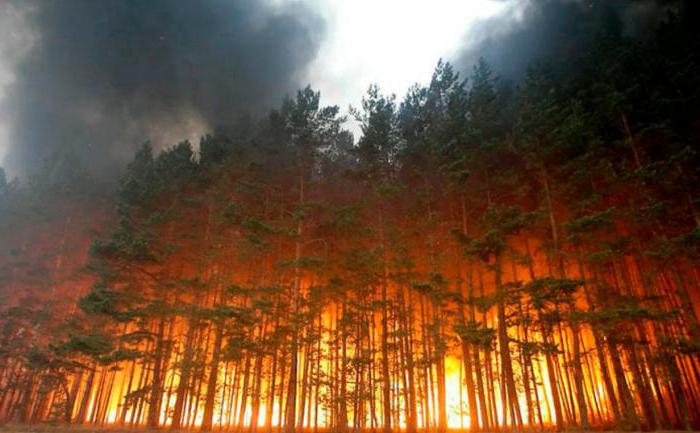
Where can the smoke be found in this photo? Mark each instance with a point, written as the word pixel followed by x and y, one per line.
pixel 544 30
pixel 101 77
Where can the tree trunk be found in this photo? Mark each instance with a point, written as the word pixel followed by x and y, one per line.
pixel 208 415
pixel 290 418
pixel 629 414
pixel 506 362
pixel 156 397
pixel 578 377
pixel 386 382
pixel 184 378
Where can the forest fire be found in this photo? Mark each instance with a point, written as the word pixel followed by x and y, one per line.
pixel 486 255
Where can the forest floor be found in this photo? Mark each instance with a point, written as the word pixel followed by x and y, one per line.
pixel 62 428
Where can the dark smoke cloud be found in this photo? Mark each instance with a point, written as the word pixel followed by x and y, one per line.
pixel 543 30
pixel 103 76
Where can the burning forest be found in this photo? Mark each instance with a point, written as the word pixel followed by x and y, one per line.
pixel 494 250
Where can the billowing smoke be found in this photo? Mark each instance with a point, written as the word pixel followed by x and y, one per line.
pixel 544 30
pixel 103 76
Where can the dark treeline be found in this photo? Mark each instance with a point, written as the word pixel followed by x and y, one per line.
pixel 487 256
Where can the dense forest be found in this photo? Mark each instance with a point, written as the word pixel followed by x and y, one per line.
pixel 488 255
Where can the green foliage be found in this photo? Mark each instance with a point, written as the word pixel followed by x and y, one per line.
pixel 138 183
pixel 547 292
pixel 585 226
pixel 125 243
pixel 92 345
pixel 604 155
pixel 502 222
pixel 214 149
pixel 103 301
pixel 308 127
pixel 376 149
pixel 623 312
pixel 176 163
pixel 476 334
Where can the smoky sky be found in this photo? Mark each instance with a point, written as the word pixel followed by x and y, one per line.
pixel 100 77
pixel 103 76
pixel 554 30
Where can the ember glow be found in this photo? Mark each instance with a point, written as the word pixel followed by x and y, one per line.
pixel 491 252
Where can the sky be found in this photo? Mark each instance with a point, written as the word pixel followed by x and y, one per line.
pixel 393 43
pixel 100 77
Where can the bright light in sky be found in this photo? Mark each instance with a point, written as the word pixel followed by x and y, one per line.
pixel 393 43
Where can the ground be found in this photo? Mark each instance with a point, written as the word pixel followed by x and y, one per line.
pixel 49 428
